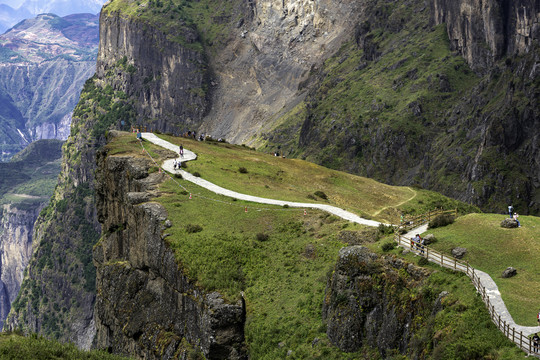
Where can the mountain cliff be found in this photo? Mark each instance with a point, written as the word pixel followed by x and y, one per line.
pixel 372 87
pixel 26 185
pixel 44 63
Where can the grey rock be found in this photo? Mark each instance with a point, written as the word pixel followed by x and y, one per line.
pixel 509 272
pixel 168 223
pixel 509 223
pixel 429 239
pixel 459 252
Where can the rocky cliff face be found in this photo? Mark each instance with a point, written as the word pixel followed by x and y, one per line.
pixel 364 303
pixel 16 229
pixel 168 80
pixel 485 31
pixel 146 306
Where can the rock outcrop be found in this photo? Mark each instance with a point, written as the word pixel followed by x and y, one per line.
pixel 146 306
pixel 484 31
pixel 364 305
pixel 168 80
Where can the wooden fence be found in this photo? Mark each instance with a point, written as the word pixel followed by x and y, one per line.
pixel 524 342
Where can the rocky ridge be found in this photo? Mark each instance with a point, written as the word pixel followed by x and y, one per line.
pixel 138 277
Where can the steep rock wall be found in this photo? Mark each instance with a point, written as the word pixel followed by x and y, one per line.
pixel 146 307
pixel 485 31
pixel 16 229
pixel 270 53
pixel 167 79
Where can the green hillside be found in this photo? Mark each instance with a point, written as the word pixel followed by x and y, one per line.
pixel 281 259
pixel 492 249
pixel 31 175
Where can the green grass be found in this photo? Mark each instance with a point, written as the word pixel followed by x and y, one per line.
pixel 298 180
pixel 15 346
pixel 492 249
pixel 281 259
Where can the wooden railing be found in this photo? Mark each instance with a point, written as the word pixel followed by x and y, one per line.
pixel 522 341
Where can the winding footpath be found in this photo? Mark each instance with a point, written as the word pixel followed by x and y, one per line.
pixel 491 288
pixel 168 165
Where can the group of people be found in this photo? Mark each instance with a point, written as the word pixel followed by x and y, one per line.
pixel 514 215
pixel 418 243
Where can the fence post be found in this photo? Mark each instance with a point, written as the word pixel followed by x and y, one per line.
pixel 521 339
pixel 513 334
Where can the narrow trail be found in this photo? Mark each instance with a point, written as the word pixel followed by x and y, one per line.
pixel 168 165
pixel 396 205
pixel 491 288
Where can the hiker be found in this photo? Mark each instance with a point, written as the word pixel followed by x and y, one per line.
pixel 536 342
pixel 418 241
pixel 538 317
pixel 139 135
pixel 181 150
pixel 516 218
pixel 175 164
pixel 510 210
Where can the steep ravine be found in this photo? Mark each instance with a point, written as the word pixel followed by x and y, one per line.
pixel 146 306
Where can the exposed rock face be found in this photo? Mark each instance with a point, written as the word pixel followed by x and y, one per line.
pixel 459 252
pixel 16 228
pixel 168 80
pixel 271 54
pixel 485 30
pixel 362 303
pixel 146 307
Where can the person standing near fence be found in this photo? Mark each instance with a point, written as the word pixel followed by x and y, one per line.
pixel 536 342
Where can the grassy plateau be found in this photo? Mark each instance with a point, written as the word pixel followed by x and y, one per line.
pixel 281 259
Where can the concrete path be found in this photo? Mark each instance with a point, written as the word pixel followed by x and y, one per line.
pixel 168 165
pixel 492 290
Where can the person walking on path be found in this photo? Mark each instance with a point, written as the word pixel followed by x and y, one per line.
pixel 536 342
pixel 538 317
pixel 181 151
pixel 516 218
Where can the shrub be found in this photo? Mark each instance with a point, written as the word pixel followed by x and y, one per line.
pixel 242 170
pixel 196 174
pixel 386 229
pixel 193 228
pixel 262 237
pixel 321 194
pixel 286 206
pixel 311 197
pixel 441 220
pixel 178 176
pixel 423 261
pixel 387 246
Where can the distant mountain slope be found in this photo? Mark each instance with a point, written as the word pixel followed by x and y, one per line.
pixel 10 16
pixel 44 62
pixel 11 12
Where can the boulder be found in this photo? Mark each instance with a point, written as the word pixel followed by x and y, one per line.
pixel 459 252
pixel 509 223
pixel 509 272
pixel 429 239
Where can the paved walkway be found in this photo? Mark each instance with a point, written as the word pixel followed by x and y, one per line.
pixel 492 290
pixel 168 165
